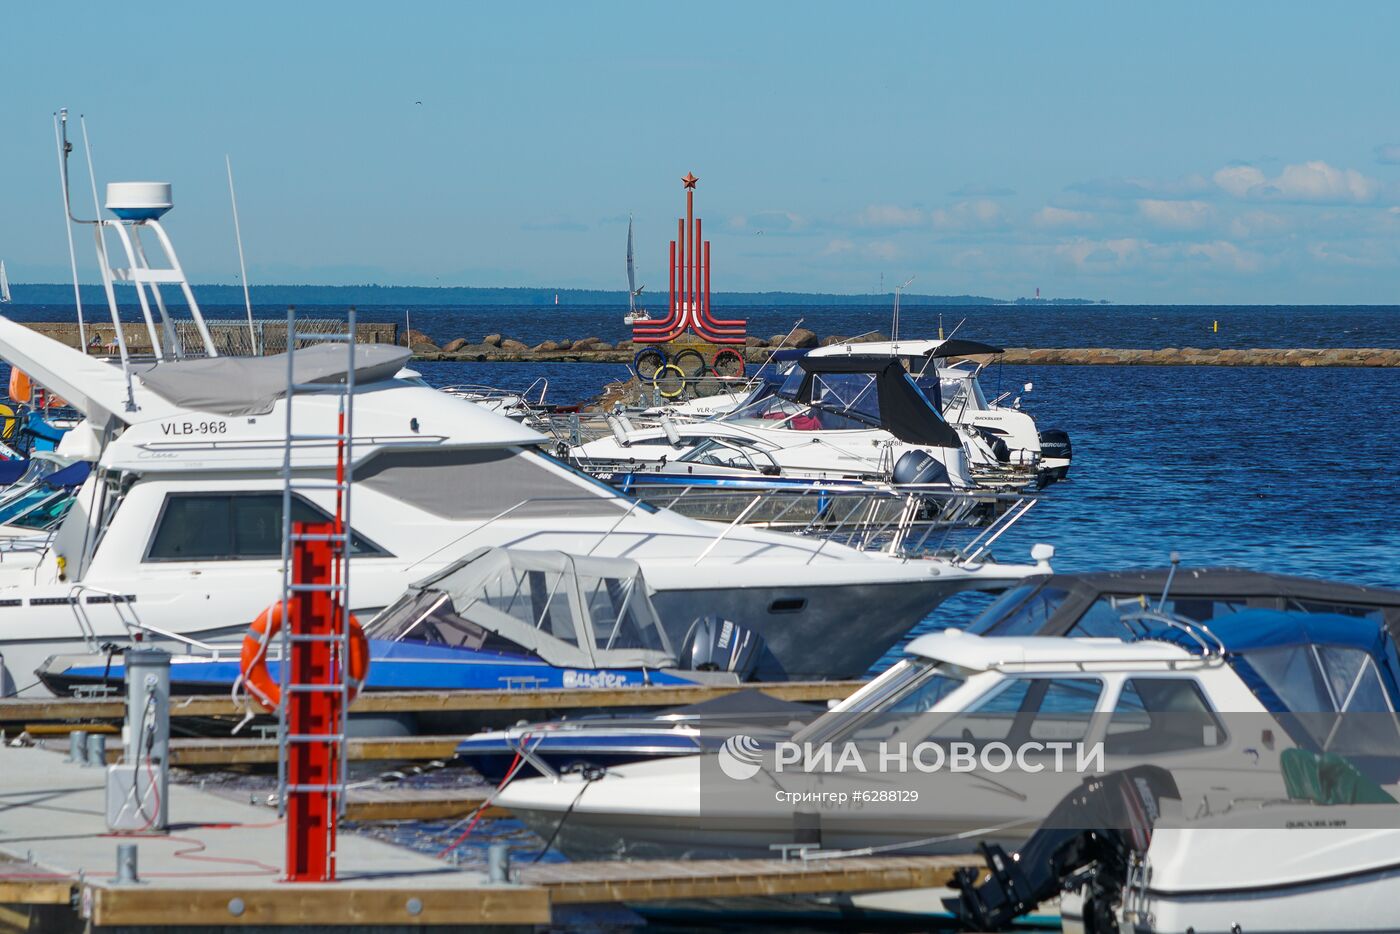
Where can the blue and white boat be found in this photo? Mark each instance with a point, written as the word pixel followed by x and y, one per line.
pixel 608 740
pixel 498 619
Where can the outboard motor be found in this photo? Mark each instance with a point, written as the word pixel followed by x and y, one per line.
pixel 1089 838
pixel 998 445
pixel 919 467
pixel 1055 454
pixel 722 645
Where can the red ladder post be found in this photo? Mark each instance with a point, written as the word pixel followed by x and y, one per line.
pixel 312 815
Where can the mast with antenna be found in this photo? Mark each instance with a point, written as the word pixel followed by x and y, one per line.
pixel 242 267
pixel 894 325
pixel 138 207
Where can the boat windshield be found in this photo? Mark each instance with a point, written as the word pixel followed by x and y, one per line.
pixel 1021 611
pixel 839 402
pixel 912 686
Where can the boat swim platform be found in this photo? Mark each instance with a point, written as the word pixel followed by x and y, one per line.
pixel 220 867
pixel 23 711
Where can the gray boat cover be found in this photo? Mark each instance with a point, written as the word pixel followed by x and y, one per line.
pixel 251 385
pixel 571 611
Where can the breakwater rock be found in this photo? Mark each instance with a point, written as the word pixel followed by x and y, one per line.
pixel 623 352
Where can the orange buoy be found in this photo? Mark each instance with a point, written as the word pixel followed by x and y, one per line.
pixel 21 386
pixel 252 661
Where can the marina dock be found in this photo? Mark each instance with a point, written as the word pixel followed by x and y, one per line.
pixel 20 712
pixel 221 867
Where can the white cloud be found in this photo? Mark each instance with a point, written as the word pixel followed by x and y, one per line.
pixel 1225 254
pixel 890 215
pixel 874 249
pixel 1175 215
pixel 1091 255
pixel 1253 224
pixel 981 213
pixel 1062 218
pixel 1314 181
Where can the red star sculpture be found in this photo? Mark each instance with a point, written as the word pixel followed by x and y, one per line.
pixel 689 179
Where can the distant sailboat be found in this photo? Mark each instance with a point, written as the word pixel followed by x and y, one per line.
pixel 4 283
pixel 634 314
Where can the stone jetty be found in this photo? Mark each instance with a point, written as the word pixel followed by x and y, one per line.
pixel 505 349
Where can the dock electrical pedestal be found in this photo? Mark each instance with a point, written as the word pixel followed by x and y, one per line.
pixel 138 799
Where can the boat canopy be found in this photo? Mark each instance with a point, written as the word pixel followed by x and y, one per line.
pixel 898 405
pixel 571 611
pixel 251 385
pixel 958 347
pixel 1302 662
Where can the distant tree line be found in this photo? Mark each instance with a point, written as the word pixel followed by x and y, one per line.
pixel 342 295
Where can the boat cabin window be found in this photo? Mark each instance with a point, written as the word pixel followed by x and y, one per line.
pixel 1161 715
pixel 37 508
pixel 483 483
pixel 1027 709
pixel 729 452
pixel 620 620
pixel 1336 694
pixel 539 599
pixel 852 394
pixel 909 687
pixel 429 617
pixel 46 514
pixel 232 527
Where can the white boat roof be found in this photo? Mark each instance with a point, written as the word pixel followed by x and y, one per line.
pixel 985 653
pixel 878 348
pixel 199 417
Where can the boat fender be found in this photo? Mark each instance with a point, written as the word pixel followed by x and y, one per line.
pixel 252 660
pixel 21 387
pixel 919 467
pixel 717 644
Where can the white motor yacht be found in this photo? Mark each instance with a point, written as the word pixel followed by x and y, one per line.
pixel 1148 699
pixel 848 418
pixel 1005 436
pixel 178 527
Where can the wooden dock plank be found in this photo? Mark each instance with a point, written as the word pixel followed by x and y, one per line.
pixel 191 753
pixel 319 906
pixel 34 891
pixel 51 709
pixel 365 804
pixel 670 880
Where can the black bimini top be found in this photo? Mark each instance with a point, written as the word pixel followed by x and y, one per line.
pixel 957 347
pixel 904 410
pixel 1083 604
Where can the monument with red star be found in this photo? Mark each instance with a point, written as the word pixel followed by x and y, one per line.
pixel 689 309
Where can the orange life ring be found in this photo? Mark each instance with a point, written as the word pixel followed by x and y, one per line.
pixel 252 661
pixel 21 387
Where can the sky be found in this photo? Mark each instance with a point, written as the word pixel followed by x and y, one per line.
pixel 1161 153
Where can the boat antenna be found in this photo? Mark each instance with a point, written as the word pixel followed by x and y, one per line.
pixel 955 330
pixel 1171 576
pixel 632 290
pixel 242 267
pixel 63 147
pixel 894 325
pixel 780 346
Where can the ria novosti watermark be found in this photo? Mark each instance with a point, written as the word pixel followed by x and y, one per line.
pixel 741 757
